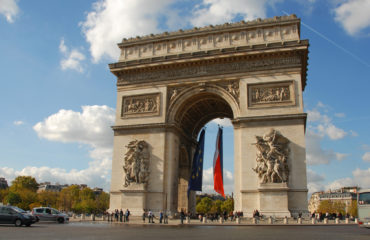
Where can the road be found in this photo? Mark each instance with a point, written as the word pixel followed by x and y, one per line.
pixel 104 230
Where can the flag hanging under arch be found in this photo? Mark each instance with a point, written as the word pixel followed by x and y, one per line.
pixel 218 182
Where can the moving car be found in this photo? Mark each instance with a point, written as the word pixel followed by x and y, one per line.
pixel 49 214
pixel 16 216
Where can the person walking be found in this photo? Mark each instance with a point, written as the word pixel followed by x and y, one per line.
pixel 161 217
pixel 144 215
pixel 182 216
pixel 120 215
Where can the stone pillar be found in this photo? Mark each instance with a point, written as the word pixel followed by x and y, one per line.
pixel 347 220
pixel 313 220
pixel 187 219
pixel 286 220
pixel 337 221
pixel 356 220
pixel 254 220
pixel 238 220
pixel 299 220
pixel 82 216
pixel 204 219
pixel 325 220
pixel 271 221
pixel 221 220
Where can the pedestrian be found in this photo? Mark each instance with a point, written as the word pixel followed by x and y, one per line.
pixel 120 215
pixel 182 216
pixel 127 214
pixel 160 217
pixel 116 215
pixel 144 215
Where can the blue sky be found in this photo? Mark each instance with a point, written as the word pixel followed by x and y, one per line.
pixel 58 97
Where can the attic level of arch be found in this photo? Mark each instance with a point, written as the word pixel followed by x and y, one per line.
pixel 238 60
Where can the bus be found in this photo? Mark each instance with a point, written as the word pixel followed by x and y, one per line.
pixel 363 207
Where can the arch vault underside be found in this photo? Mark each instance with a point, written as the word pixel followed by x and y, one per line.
pixel 170 85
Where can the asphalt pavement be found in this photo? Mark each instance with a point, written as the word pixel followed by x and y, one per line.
pixel 104 230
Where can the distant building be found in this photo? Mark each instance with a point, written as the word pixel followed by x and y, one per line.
pixel 3 183
pixel 47 186
pixel 97 191
pixel 345 195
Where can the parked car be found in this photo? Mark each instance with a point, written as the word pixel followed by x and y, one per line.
pixel 16 216
pixel 49 214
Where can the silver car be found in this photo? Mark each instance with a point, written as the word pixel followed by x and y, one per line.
pixel 49 214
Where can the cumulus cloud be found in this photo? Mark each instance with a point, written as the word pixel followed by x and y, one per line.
pixel 221 11
pixel 353 15
pixel 112 20
pixel 90 127
pixel 366 157
pixel 72 59
pixel 315 154
pixel 208 181
pixel 9 9
pixel 17 123
pixel 225 122
pixel 359 178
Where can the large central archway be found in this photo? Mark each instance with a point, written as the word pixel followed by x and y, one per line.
pixel 170 85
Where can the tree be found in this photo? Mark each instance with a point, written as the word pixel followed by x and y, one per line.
pixel 24 182
pixel 3 194
pixel 352 210
pixel 48 199
pixel 204 206
pixel 13 198
pixel 228 205
pixel 326 206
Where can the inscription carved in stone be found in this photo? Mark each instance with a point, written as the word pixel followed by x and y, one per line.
pixel 140 105
pixel 136 163
pixel 272 157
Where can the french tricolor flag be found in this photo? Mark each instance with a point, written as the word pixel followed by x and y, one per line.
pixel 218 181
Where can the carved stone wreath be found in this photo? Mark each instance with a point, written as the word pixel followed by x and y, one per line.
pixel 272 157
pixel 136 163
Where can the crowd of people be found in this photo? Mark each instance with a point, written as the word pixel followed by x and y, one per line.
pixel 320 216
pixel 119 216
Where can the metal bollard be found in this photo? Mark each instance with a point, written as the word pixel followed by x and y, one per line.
pixel 271 221
pixel 286 220
pixel 187 219
pixel 356 220
pixel 221 220
pixel 325 220
pixel 337 221
pixel 313 220
pixel 204 219
pixel 238 220
pixel 347 220
pixel 299 220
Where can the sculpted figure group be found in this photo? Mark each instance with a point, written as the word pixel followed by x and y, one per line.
pixel 272 157
pixel 136 162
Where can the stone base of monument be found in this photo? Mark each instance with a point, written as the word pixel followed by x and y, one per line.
pixel 134 197
pixel 273 198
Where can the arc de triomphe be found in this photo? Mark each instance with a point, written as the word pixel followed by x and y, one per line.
pixel 170 85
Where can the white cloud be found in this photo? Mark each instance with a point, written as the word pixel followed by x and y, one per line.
pixel 221 11
pixel 71 58
pixel 366 157
pixel 315 154
pixel 313 177
pixel 353 15
pixel 208 181
pixel 112 20
pixel 332 131
pixel 225 122
pixel 359 178
pixel 18 123
pixel 9 9
pixel 90 127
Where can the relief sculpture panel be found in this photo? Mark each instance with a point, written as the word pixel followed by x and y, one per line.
pixel 264 95
pixel 272 157
pixel 141 105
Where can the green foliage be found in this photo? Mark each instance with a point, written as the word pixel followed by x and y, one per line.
pixel 228 205
pixel 24 182
pixel 352 210
pixel 207 205
pixel 204 206
pixel 13 198
pixel 327 206
pixel 22 193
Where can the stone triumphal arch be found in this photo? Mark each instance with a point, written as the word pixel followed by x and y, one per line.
pixel 169 85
